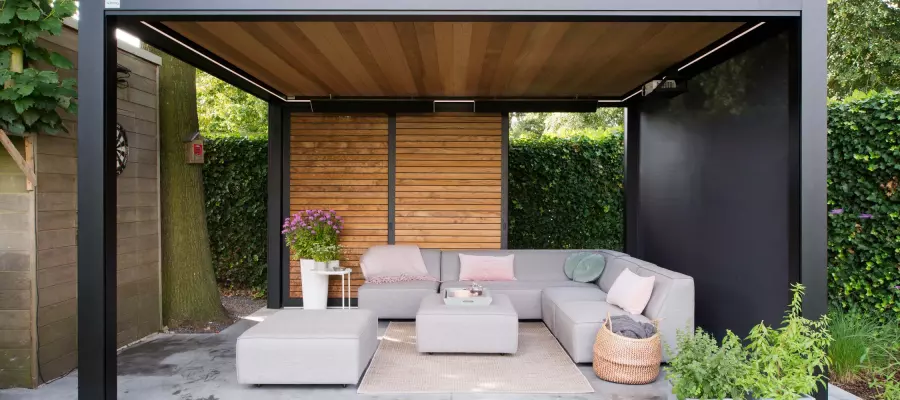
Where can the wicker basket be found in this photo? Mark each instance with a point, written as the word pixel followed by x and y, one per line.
pixel 622 359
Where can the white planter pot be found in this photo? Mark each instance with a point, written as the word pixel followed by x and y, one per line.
pixel 334 265
pixel 315 286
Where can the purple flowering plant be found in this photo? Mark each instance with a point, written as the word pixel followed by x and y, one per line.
pixel 839 211
pixel 307 232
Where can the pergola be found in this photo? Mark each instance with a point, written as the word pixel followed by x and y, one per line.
pixel 725 183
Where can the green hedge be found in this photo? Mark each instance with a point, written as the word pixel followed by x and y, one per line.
pixel 864 199
pixel 234 178
pixel 566 193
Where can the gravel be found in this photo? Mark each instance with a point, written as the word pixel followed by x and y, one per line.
pixel 239 306
pixel 236 305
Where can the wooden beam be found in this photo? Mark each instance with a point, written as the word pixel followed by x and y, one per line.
pixel 20 161
pixel 29 161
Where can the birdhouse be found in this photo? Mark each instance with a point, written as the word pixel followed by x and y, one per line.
pixel 193 148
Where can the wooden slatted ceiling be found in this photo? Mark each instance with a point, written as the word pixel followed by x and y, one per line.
pixel 340 162
pixel 466 59
pixel 448 189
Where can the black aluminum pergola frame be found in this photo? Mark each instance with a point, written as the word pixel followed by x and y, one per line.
pixel 97 111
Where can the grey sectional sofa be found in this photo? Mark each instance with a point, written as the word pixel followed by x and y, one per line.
pixel 571 310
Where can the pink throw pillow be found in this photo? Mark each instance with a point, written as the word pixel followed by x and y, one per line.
pixel 631 292
pixel 486 268
pixel 394 261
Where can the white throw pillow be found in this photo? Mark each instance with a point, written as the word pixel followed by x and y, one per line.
pixel 631 292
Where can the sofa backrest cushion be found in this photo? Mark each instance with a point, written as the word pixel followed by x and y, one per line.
pixel 666 282
pixel 529 265
pixel 432 259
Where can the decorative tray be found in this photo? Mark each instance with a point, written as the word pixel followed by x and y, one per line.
pixel 463 297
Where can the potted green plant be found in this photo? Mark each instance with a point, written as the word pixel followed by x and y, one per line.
pixel 312 235
pixel 326 256
pixel 787 363
pixel 705 370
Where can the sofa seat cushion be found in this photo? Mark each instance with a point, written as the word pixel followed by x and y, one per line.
pixel 311 324
pixel 524 295
pixel 577 322
pixel 516 285
pixel 554 296
pixel 397 300
pixel 410 285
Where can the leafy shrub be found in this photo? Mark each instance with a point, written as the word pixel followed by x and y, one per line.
pixel 786 361
pixel 566 193
pixel 704 370
pixel 886 380
pixel 234 178
pixel 861 345
pixel 864 196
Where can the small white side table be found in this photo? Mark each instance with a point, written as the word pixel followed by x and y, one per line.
pixel 345 277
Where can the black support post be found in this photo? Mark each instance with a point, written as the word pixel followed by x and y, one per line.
pixel 274 211
pixel 285 258
pixel 96 204
pixel 632 179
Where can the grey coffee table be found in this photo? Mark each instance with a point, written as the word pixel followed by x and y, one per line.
pixel 443 328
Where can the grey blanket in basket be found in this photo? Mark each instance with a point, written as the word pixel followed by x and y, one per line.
pixel 626 326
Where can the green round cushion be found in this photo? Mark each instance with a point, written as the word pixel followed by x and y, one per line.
pixel 585 267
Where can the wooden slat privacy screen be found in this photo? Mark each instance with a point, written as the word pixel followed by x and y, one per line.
pixel 448 181
pixel 340 162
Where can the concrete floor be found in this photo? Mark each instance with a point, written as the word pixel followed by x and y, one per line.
pixel 201 367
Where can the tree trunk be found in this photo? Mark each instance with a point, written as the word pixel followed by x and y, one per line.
pixel 190 293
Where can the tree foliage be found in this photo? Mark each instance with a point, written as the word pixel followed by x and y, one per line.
pixel 223 108
pixel 863 45
pixel 596 125
pixel 32 95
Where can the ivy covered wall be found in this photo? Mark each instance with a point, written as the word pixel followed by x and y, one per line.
pixel 864 203
pixel 234 179
pixel 566 193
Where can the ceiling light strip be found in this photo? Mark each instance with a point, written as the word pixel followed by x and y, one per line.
pixel 632 95
pixel 222 66
pixel 721 46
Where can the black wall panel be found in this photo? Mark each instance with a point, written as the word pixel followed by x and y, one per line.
pixel 713 197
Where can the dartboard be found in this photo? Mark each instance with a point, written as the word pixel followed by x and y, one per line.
pixel 121 149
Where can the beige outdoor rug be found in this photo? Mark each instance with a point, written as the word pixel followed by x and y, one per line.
pixel 540 366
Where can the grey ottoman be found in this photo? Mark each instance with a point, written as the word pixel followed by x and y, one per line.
pixel 308 347
pixel 467 329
